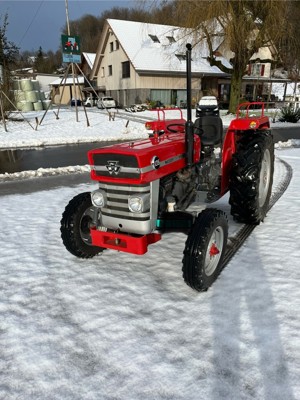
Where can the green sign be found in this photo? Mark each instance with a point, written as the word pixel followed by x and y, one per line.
pixel 71 48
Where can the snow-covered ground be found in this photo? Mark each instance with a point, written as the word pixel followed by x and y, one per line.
pixel 123 327
pixel 67 130
pixel 72 129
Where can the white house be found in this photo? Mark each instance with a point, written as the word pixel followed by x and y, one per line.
pixel 138 62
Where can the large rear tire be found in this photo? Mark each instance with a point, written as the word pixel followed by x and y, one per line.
pixel 76 222
pixel 204 249
pixel 252 177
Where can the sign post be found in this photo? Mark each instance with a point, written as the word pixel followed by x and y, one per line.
pixel 71 49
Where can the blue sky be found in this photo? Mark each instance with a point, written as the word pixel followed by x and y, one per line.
pixel 39 23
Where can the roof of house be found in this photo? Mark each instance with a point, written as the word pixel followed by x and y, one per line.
pixel 90 58
pixel 68 81
pixel 161 48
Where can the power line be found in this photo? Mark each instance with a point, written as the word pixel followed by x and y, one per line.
pixel 32 21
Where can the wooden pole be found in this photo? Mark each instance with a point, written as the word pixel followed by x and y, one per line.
pixel 73 73
pixel 67 16
pixel 2 111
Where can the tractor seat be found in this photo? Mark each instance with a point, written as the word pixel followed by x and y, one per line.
pixel 210 129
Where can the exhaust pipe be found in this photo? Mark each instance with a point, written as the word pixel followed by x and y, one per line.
pixel 189 126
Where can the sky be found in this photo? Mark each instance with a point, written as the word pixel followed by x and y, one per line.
pixel 39 23
pixel 118 326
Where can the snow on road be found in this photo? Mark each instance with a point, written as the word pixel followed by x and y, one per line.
pixel 124 327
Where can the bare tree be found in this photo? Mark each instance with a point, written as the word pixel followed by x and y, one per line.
pixel 242 27
pixel 289 46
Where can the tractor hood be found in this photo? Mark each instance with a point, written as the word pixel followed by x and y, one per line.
pixel 141 161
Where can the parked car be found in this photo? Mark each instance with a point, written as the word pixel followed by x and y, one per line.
pixel 90 101
pixel 106 102
pixel 207 103
pixel 74 101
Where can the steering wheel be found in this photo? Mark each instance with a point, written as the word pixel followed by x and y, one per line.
pixel 174 130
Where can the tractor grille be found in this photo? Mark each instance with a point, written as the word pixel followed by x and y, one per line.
pixel 116 165
pixel 117 201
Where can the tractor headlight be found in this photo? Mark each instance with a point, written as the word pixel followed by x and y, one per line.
pixel 139 203
pixel 98 198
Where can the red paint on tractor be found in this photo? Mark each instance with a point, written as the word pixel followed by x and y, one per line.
pixel 168 148
pixel 214 250
pixel 124 242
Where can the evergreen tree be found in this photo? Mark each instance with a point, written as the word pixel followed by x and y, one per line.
pixel 8 55
pixel 39 63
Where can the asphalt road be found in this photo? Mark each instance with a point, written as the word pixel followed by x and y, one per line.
pixel 46 157
pixel 69 155
pixel 61 156
pixel 31 185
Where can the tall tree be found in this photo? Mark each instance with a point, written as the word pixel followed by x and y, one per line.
pixel 8 54
pixel 243 26
pixel 39 63
pixel 289 45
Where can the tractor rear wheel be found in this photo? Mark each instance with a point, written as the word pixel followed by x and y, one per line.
pixel 204 249
pixel 77 219
pixel 252 177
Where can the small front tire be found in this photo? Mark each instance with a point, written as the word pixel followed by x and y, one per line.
pixel 204 249
pixel 77 219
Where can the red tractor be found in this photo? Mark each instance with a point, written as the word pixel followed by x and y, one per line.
pixel 147 186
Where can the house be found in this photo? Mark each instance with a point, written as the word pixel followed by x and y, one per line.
pixel 87 62
pixel 138 62
pixel 260 81
pixel 64 89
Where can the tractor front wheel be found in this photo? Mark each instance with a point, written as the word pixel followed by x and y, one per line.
pixel 252 177
pixel 76 222
pixel 204 249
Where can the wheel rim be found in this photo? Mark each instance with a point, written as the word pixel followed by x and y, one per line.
pixel 86 223
pixel 214 251
pixel 264 178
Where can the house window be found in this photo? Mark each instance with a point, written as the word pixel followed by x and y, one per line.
pixel 109 70
pixel 161 96
pixel 154 38
pixel 258 69
pixel 126 69
pixel 117 45
pixel 181 57
pixel 102 72
pixel 111 45
pixel 171 39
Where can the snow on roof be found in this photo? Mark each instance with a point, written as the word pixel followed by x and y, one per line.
pixel 153 47
pixel 68 81
pixel 90 58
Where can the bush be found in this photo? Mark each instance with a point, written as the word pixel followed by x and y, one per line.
pixel 289 114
